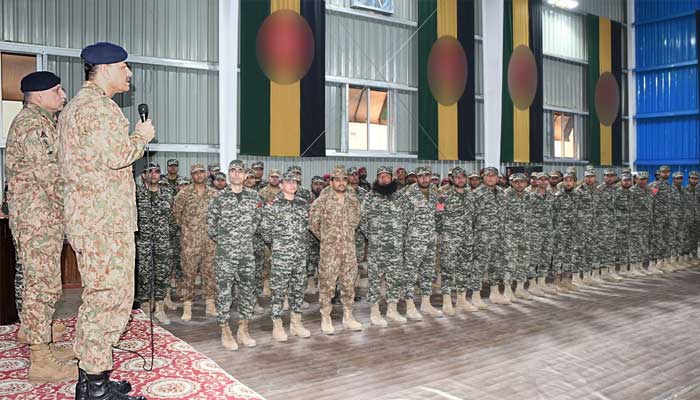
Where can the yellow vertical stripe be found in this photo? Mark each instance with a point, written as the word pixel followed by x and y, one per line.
pixel 285 104
pixel 605 63
pixel 521 118
pixel 447 115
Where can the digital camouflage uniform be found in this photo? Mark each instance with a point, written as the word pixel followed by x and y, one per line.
pixel 262 267
pixel 518 220
pixel 641 225
pixel 190 211
pixel 543 210
pixel 231 224
pixel 360 239
pixel 693 220
pixel 679 215
pixel 589 198
pixel 488 234
pixel 455 216
pixel 383 222
pixel 175 232
pixel 96 154
pixel 335 225
pixel 284 227
pixel 607 253
pixel 566 208
pixel 420 240
pixel 661 220
pixel 625 201
pixel 35 202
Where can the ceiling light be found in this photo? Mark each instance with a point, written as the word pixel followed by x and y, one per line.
pixel 565 4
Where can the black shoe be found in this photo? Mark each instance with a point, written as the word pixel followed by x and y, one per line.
pixel 358 298
pixel 99 387
pixel 135 305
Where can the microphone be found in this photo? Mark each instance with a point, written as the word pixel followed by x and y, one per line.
pixel 143 112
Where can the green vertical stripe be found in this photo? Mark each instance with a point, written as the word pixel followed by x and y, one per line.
pixel 507 102
pixel 427 106
pixel 593 74
pixel 255 87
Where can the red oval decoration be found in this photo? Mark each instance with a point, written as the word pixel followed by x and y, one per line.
pixel 285 47
pixel 607 99
pixel 447 70
pixel 522 77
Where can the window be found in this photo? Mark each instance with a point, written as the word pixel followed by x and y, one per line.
pixel 368 128
pixel 565 135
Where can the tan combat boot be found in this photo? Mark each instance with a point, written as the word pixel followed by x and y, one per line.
pixel 169 305
pixel 278 334
pixel 520 291
pixel 296 327
pixel 612 273
pixel 211 308
pixel 258 309
pixel 285 304
pixel 476 301
pixel 266 292
pixel 392 314
pixel 186 311
pixel 447 305
pixel 62 353
pixel 497 298
pixel 535 289
pixel 559 284
pixel 159 314
pixel 45 368
pixel 548 288
pixel 243 336
pixel 311 286
pixel 227 338
pixel 653 268
pixel 412 313
pixel 508 293
pixel 375 316
pixel 587 280
pixel 464 305
pixel 349 321
pixel 326 321
pixel 568 284
pixel 427 308
pixel 576 280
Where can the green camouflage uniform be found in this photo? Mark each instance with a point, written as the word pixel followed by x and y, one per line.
pixel 662 221
pixel 566 208
pixel 542 208
pixel 518 220
pixel 455 216
pixel 607 253
pixel 488 233
pixel 589 197
pixel 641 225
pixel 626 203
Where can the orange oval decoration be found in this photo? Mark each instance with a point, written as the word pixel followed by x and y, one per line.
pixel 447 70
pixel 285 47
pixel 607 99
pixel 522 77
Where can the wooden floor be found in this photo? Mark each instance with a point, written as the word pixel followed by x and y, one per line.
pixel 639 339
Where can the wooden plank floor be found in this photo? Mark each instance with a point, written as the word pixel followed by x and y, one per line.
pixel 638 339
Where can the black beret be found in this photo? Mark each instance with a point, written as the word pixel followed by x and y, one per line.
pixel 38 81
pixel 103 53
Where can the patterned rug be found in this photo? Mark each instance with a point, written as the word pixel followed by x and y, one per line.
pixel 179 372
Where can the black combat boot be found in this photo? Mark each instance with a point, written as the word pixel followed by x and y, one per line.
pixel 99 387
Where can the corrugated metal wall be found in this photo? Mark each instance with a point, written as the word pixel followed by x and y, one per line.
pixel 613 9
pixel 180 29
pixel 563 34
pixel 668 108
pixel 564 84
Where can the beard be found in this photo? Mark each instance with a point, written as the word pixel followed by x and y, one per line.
pixel 385 190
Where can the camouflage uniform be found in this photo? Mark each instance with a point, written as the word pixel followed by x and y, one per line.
pixel 455 216
pixel 189 210
pixel 176 233
pixel 488 234
pixel 588 245
pixel 678 219
pixel 607 253
pixel 383 222
pixel 662 220
pixel 335 225
pixel 626 204
pixel 96 154
pixel 284 228
pixel 231 224
pixel 35 202
pixel 543 209
pixel 566 207
pixel 263 265
pixel 693 220
pixel 641 224
pixel 518 220
pixel 360 239
pixel 420 240
pixel 153 247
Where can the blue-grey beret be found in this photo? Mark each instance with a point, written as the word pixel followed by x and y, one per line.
pixel 103 53
pixel 38 81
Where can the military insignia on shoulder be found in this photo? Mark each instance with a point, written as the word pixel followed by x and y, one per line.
pixel 654 190
pixel 260 204
pixel 440 206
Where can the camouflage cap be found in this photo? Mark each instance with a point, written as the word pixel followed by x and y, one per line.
pixel 219 176
pixel 571 169
pixel 339 172
pixel 642 175
pixel 542 175
pixel 568 174
pixel 555 173
pixel 258 164
pixel 589 172
pixel 163 181
pixel 289 176
pixel 236 164
pixel 693 174
pixel 423 170
pixel 411 173
pixel 249 173
pixel 518 177
pixel 664 168
pixel 458 171
pixel 385 169
pixel 294 169
pixel 196 168
pixel 449 171
pixel 317 179
pixel 678 174
pixel 174 162
pixel 184 181
pixel 436 176
pixel 590 166
pixel 609 171
pixel 352 171
pixel 152 165
pixel 627 170
pixel 626 176
pixel 399 168
pixel 474 174
pixel 490 170
pixel 274 172
pixel 213 167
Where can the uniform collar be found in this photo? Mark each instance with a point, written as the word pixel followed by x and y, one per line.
pixel 38 110
pixel 93 86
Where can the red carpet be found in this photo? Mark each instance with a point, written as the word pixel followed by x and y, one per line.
pixel 180 372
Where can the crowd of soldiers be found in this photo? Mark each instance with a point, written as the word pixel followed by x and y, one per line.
pixel 532 235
